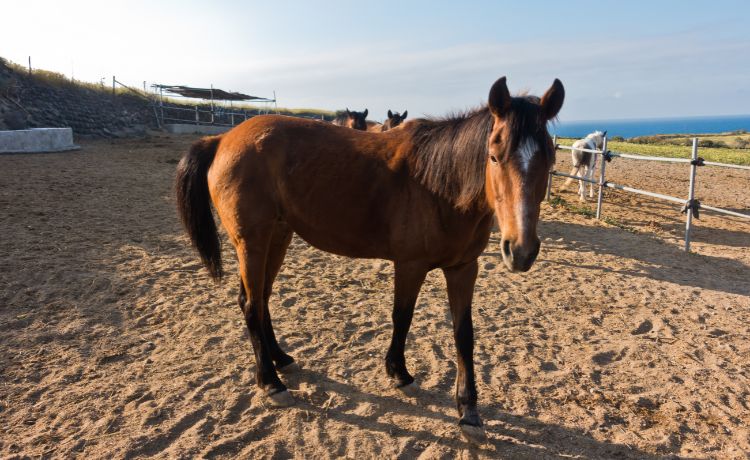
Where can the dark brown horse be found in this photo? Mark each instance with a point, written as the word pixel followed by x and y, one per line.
pixel 374 127
pixel 422 196
pixel 354 120
pixel 394 119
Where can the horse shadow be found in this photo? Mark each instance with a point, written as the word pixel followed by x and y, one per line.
pixel 508 435
pixel 675 223
pixel 656 259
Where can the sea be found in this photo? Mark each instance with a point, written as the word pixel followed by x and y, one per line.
pixel 651 126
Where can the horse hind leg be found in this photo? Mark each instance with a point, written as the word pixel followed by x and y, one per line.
pixel 581 186
pixel 280 240
pixel 253 251
pixel 283 362
pixel 573 172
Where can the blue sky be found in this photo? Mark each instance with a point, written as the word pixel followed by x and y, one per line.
pixel 616 59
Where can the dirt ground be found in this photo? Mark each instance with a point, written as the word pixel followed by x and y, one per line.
pixel 114 342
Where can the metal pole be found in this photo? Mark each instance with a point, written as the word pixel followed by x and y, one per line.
pixel 601 180
pixel 113 86
pixel 197 116
pixel 212 103
pixel 161 103
pixel 549 176
pixel 29 65
pixel 691 195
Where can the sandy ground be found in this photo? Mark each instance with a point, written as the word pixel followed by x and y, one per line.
pixel 114 342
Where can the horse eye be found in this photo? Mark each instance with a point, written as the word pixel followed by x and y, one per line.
pixel 493 158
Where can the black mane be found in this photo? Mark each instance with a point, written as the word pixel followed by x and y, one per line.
pixel 450 154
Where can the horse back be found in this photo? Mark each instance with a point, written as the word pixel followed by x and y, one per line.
pixel 333 185
pixel 344 191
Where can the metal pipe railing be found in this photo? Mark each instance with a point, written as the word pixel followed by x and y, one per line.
pixel 567 147
pixel 725 211
pixel 724 165
pixel 585 179
pixel 650 158
pixel 625 188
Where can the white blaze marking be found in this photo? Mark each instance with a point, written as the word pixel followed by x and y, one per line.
pixel 526 152
pixel 522 214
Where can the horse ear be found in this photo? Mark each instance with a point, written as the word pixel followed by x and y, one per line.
pixel 499 100
pixel 365 113
pixel 552 100
pixel 390 114
pixel 403 116
pixel 347 111
pixel 604 134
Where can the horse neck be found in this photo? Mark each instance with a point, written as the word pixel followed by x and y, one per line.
pixel 450 157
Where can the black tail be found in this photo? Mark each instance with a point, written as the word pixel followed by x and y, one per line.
pixel 194 202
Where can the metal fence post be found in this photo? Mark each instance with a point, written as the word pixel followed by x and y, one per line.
pixel 197 116
pixel 549 176
pixel 601 179
pixel 691 194
pixel 161 104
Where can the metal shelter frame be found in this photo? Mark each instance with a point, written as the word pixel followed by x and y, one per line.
pixel 218 113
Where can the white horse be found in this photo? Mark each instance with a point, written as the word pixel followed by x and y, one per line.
pixel 584 163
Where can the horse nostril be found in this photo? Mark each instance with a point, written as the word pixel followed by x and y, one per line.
pixel 507 253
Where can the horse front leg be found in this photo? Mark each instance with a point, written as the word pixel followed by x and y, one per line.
pixel 408 281
pixel 460 281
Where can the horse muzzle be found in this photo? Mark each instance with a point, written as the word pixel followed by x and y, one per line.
pixel 519 257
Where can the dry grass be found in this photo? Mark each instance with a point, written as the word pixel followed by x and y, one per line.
pixel 721 155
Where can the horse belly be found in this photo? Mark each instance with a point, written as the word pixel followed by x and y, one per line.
pixel 344 222
pixel 339 242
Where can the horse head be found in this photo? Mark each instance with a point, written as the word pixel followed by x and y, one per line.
pixel 394 119
pixel 521 154
pixel 356 120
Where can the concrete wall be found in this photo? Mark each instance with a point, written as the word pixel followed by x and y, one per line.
pixel 37 140
pixel 179 128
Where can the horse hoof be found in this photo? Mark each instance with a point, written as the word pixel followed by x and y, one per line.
pixel 474 434
pixel 290 368
pixel 281 399
pixel 410 389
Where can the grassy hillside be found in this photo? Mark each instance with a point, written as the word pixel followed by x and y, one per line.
pixel 722 155
pixel 736 139
pixel 55 79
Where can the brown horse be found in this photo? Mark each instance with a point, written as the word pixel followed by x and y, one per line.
pixel 394 119
pixel 374 126
pixel 422 196
pixel 354 120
